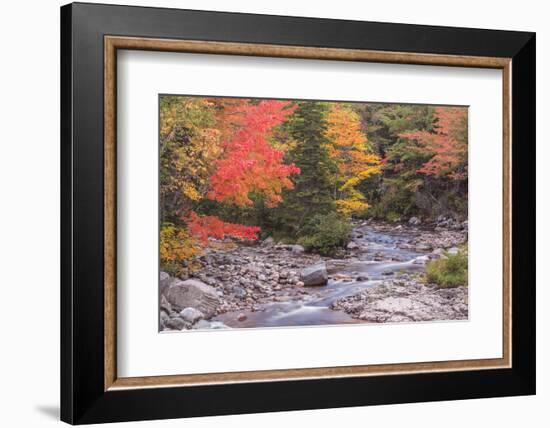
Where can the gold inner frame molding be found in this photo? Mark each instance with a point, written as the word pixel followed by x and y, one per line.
pixel 113 43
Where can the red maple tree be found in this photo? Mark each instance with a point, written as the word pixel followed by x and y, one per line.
pixel 250 164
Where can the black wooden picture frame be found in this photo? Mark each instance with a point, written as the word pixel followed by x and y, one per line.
pixel 84 398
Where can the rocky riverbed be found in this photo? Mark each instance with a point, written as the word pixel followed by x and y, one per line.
pixel 377 278
pixel 406 299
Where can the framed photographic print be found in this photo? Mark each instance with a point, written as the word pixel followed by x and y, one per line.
pixel 265 213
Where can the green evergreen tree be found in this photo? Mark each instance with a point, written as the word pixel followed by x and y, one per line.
pixel 312 193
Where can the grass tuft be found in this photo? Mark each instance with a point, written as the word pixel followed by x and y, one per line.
pixel 448 272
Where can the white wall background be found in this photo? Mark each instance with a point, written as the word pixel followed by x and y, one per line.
pixel 29 216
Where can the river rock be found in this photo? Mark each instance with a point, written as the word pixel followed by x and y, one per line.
pixel 423 247
pixel 165 281
pixel 176 323
pixel 421 260
pixel 314 275
pixel 191 315
pixel 452 251
pixel 342 277
pixel 415 221
pixel 297 249
pixel 240 293
pixel 194 293
pixel 165 305
pixel 268 242
pixel 163 318
pixel 241 317
pixel 201 324
pixel 352 245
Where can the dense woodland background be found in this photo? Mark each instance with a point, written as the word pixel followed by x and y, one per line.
pixel 299 171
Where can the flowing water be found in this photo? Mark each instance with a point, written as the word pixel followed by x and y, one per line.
pixel 380 255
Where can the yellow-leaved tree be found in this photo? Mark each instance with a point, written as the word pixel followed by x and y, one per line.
pixel 348 147
pixel 190 143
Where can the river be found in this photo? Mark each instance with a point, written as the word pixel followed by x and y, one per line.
pixel 378 254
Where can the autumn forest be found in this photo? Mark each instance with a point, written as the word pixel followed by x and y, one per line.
pixel 268 205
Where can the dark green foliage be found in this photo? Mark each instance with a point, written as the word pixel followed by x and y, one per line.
pixel 397 199
pixel 312 193
pixel 401 191
pixel 325 233
pixel 384 122
pixel 451 271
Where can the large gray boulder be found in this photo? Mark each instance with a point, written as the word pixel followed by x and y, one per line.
pixel 165 281
pixel 193 293
pixel 314 275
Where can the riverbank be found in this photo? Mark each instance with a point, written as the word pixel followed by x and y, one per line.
pixel 377 278
pixel 406 299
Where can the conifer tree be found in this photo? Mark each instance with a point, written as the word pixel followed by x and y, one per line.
pixel 312 193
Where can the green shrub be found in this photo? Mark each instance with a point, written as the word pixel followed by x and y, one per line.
pixel 449 272
pixel 393 217
pixel 325 234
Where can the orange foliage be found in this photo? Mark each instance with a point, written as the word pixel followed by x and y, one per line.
pixel 250 164
pixel 447 143
pixel 348 147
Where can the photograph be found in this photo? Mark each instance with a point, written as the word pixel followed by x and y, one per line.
pixel 263 211
pixel 290 213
